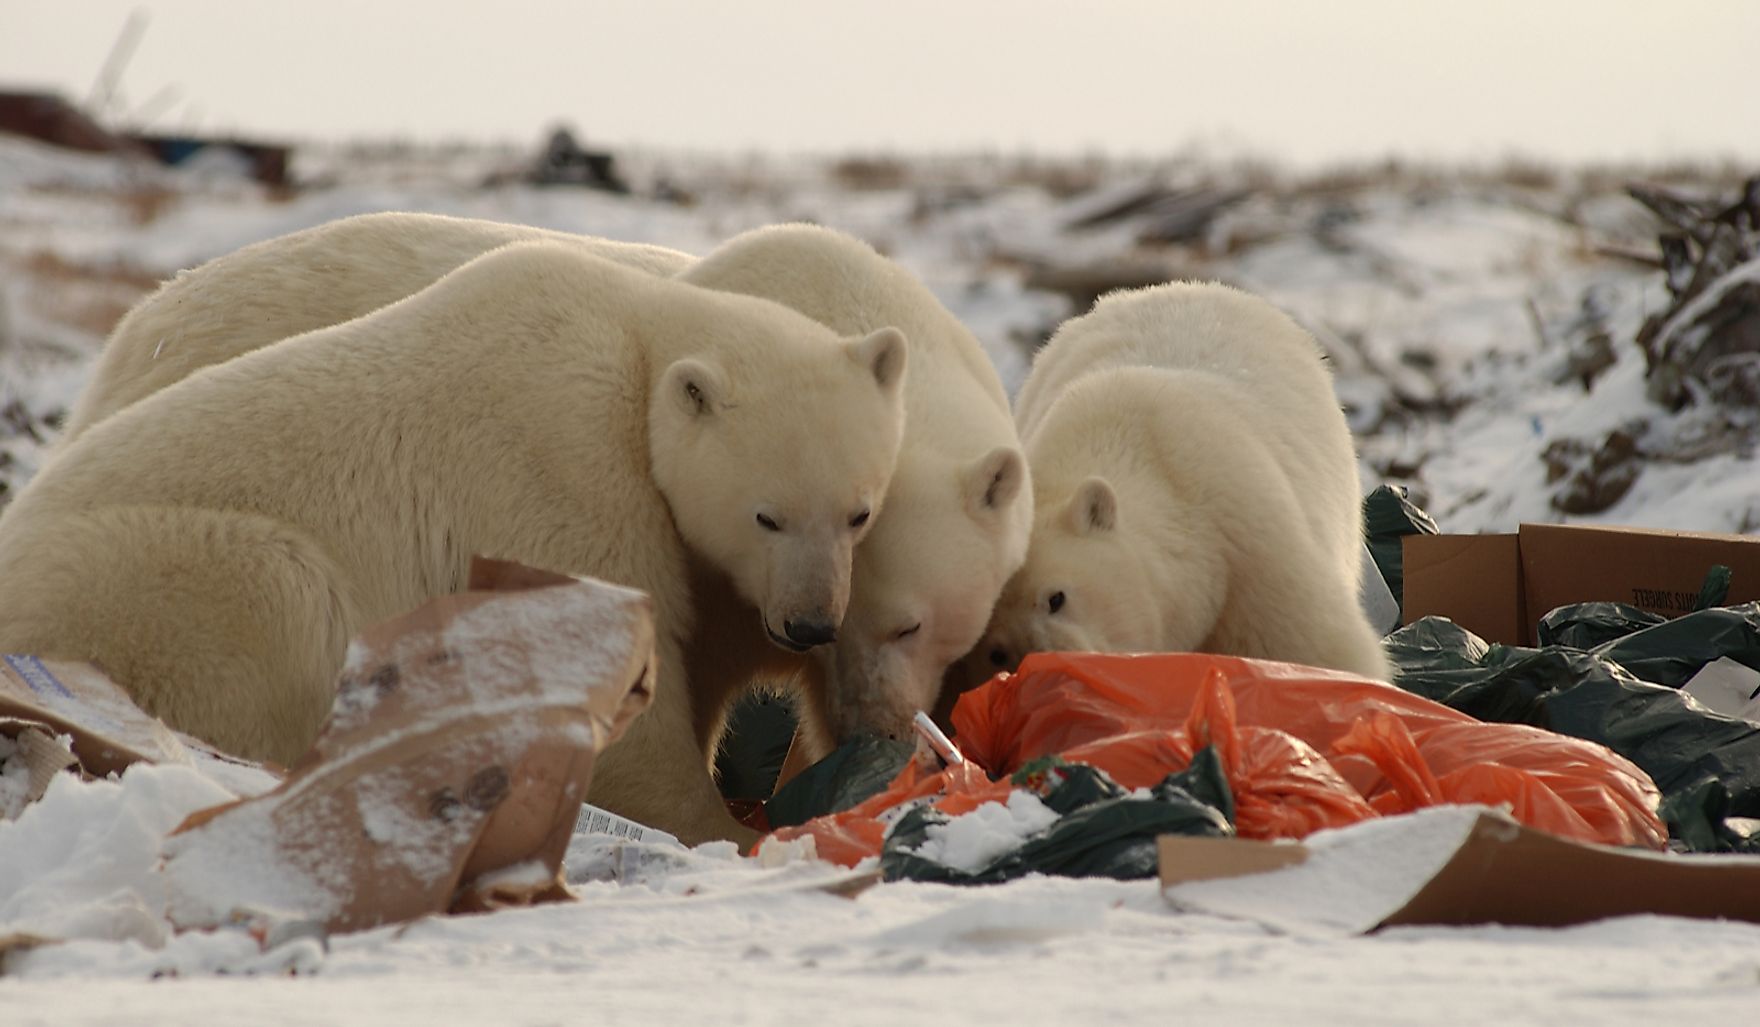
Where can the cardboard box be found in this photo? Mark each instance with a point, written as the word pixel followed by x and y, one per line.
pixel 1448 865
pixel 1499 586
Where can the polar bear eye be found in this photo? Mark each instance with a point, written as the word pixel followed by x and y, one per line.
pixel 1055 602
pixel 859 519
pixel 767 524
pixel 908 632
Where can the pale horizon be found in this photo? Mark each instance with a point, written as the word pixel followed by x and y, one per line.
pixel 1566 82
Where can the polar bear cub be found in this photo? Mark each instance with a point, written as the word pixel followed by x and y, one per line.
pixel 959 510
pixel 214 546
pixel 314 278
pixel 1196 489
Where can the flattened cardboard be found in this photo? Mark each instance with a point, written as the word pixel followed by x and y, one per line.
pixel 109 731
pixel 1498 586
pixel 1505 873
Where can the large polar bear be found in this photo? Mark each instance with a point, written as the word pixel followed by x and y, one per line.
pixel 294 283
pixel 958 513
pixel 214 546
pixel 1196 489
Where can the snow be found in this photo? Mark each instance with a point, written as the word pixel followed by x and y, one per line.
pixel 1447 304
pixel 972 841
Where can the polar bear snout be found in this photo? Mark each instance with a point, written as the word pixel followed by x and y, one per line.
pixel 808 633
pixel 798 636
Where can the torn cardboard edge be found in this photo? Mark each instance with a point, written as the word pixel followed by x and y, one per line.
pixel 41 751
pixel 108 731
pixel 1498 586
pixel 1452 865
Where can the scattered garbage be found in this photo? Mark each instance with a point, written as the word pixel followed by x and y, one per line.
pixel 1299 749
pixel 1706 764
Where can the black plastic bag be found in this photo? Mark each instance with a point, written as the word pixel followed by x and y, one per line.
pixel 1590 695
pixel 1670 653
pixel 1587 625
pixel 1388 516
pixel 760 728
pixel 854 772
pixel 1103 830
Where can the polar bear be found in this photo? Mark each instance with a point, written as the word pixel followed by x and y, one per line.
pixel 294 283
pixel 1196 489
pixel 958 511
pixel 214 546
pixel 957 516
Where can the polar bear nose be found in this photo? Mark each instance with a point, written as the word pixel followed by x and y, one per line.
pixel 999 658
pixel 810 632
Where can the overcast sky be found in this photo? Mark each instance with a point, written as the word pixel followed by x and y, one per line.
pixel 1305 80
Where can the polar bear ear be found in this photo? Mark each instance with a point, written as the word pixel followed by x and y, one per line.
pixel 994 480
pixel 1094 507
pixel 697 388
pixel 882 353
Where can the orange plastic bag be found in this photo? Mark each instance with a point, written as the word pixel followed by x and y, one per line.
pixel 1303 749
pixel 1544 778
pixel 1062 701
pixel 1283 788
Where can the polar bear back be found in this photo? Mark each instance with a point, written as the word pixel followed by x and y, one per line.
pixel 296 283
pixel 1192 328
pixel 847 285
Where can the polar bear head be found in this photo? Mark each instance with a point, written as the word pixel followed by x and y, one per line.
pixel 1087 585
pixel 926 578
pixel 774 455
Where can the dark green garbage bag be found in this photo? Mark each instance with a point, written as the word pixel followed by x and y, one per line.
pixel 760 729
pixel 1102 830
pixel 1591 695
pixel 854 772
pixel 1389 515
pixel 1587 625
pixel 1670 653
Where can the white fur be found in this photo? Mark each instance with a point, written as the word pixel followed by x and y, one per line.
pixel 1196 489
pixel 936 558
pixel 294 283
pixel 215 545
pixel 959 510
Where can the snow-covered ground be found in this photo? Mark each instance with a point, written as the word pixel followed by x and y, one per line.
pixel 1452 305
